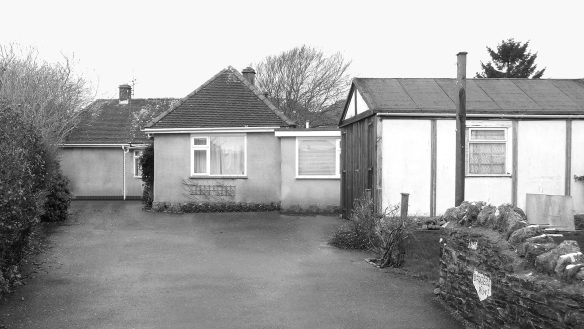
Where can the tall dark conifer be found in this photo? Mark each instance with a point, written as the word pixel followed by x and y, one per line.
pixel 511 60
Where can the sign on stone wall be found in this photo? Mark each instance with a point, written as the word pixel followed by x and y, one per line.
pixel 482 284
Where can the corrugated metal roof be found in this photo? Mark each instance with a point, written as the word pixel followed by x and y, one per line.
pixel 541 96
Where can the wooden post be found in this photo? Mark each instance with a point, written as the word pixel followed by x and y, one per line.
pixel 460 128
pixel 404 205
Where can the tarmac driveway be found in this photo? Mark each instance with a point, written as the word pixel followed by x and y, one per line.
pixel 113 265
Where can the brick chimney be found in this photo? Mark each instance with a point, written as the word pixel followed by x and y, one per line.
pixel 125 94
pixel 249 74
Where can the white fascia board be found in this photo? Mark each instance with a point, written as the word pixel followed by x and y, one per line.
pixel 209 130
pixel 93 145
pixel 478 115
pixel 105 145
pixel 328 133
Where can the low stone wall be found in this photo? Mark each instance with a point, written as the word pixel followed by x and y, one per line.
pixel 495 271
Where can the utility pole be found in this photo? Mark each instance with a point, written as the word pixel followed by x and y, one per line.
pixel 460 128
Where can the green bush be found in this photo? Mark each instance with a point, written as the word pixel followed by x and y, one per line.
pixel 58 198
pixel 194 207
pixel 147 165
pixel 23 173
pixel 384 233
pixel 358 232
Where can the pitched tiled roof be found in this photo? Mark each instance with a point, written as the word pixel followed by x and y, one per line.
pixel 227 100
pixel 513 96
pixel 105 121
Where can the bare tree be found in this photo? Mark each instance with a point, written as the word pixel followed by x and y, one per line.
pixel 49 96
pixel 304 83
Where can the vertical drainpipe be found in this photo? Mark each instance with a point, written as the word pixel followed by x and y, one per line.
pixel 124 170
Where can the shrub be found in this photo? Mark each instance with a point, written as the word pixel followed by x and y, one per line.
pixel 194 207
pixel 358 232
pixel 384 233
pixel 58 198
pixel 392 232
pixel 23 173
pixel 147 165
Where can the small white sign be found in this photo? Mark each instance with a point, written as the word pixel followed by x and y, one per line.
pixel 473 245
pixel 482 284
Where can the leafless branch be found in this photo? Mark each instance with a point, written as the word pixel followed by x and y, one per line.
pixel 303 82
pixel 49 95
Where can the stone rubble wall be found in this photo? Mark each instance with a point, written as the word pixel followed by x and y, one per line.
pixel 526 278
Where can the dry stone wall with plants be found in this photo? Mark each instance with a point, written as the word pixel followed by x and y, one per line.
pixel 499 272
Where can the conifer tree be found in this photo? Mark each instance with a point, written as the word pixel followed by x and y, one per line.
pixel 511 59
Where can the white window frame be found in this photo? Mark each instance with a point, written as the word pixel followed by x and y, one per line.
pixel 207 149
pixel 137 154
pixel 337 174
pixel 508 155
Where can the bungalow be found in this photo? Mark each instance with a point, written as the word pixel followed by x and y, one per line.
pixel 226 142
pixel 100 157
pixel 523 137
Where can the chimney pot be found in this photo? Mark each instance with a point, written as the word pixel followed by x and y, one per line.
pixel 249 73
pixel 125 93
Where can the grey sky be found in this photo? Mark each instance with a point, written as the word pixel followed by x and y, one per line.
pixel 171 47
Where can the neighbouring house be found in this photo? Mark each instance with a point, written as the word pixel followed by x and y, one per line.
pixel 523 136
pixel 100 157
pixel 227 143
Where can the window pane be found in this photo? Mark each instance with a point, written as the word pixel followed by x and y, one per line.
pixel 317 157
pixel 200 141
pixel 199 161
pixel 493 135
pixel 137 168
pixel 486 158
pixel 227 155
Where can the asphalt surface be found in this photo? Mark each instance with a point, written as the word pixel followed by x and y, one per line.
pixel 113 265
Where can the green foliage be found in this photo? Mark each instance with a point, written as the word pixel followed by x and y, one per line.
pixel 511 60
pixel 384 233
pixel 58 198
pixel 147 165
pixel 358 232
pixel 23 173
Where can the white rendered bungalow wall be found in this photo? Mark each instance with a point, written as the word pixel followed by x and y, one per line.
pixel 541 167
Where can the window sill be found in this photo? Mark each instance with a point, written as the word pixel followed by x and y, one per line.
pixel 318 177
pixel 216 177
pixel 486 175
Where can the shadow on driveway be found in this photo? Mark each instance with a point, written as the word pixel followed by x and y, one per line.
pixel 113 265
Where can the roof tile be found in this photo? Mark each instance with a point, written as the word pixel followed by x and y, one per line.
pixel 226 100
pixel 105 121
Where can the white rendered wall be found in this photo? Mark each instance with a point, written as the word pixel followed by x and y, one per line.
pixel 541 163
pixel 577 188
pixel 495 190
pixel 406 163
pixel 542 157
pixel 361 105
pixel 445 164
